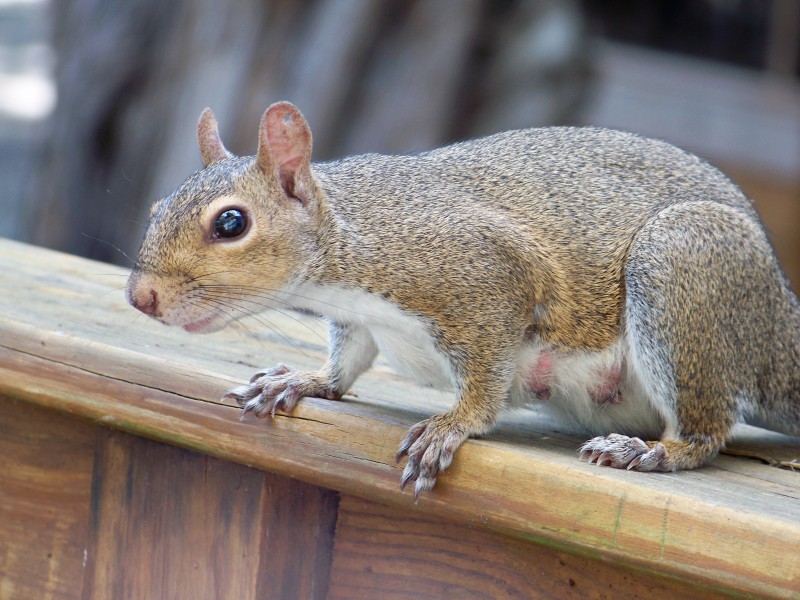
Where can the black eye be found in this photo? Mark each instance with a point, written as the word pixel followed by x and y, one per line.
pixel 230 223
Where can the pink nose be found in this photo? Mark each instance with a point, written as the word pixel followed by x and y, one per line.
pixel 145 300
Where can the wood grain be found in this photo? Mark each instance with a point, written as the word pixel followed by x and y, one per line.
pixel 298 523
pixel 172 524
pixel 391 553
pixel 45 483
pixel 69 342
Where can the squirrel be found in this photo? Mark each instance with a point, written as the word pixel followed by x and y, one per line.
pixel 623 283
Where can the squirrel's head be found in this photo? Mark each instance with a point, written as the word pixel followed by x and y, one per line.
pixel 236 233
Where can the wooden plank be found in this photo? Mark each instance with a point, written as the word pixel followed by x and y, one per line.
pixel 725 523
pixel 170 523
pixel 386 552
pixel 45 484
pixel 298 525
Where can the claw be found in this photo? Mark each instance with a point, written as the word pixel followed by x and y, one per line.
pixel 251 407
pixel 618 451
pixel 275 371
pixel 288 398
pixel 260 408
pixel 408 475
pixel 408 441
pixel 423 484
pixel 241 394
pixel 606 458
pixel 655 459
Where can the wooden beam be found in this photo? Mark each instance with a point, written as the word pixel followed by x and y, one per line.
pixel 68 341
pixel 385 552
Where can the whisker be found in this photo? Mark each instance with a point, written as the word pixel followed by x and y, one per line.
pixel 218 294
pixel 274 294
pixel 109 244
pixel 201 276
pixel 244 332
pixel 236 312
pixel 134 317
pixel 111 291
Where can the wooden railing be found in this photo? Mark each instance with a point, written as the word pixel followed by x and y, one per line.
pixel 123 475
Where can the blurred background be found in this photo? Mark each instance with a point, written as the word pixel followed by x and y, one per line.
pixel 99 98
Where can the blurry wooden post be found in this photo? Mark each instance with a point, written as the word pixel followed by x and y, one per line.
pixel 390 76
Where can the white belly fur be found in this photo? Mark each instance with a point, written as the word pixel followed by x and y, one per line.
pixel 573 375
pixel 406 345
pixel 402 338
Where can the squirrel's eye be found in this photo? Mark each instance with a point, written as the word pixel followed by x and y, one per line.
pixel 230 223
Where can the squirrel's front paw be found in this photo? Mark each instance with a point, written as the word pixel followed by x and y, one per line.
pixel 279 388
pixel 430 446
pixel 621 451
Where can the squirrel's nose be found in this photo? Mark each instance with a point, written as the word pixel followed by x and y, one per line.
pixel 145 300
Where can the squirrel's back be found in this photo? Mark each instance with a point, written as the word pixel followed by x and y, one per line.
pixel 566 167
pixel 577 196
pixel 588 185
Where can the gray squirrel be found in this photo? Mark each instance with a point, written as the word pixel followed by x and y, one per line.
pixel 620 282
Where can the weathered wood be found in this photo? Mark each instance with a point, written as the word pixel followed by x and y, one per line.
pixel 67 341
pixel 395 553
pixel 45 483
pixel 169 523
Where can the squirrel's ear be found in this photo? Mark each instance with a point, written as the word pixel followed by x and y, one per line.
pixel 211 148
pixel 284 147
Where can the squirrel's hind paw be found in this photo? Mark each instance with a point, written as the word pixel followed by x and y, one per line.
pixel 621 451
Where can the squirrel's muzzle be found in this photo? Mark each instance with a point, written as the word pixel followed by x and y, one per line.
pixel 142 296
